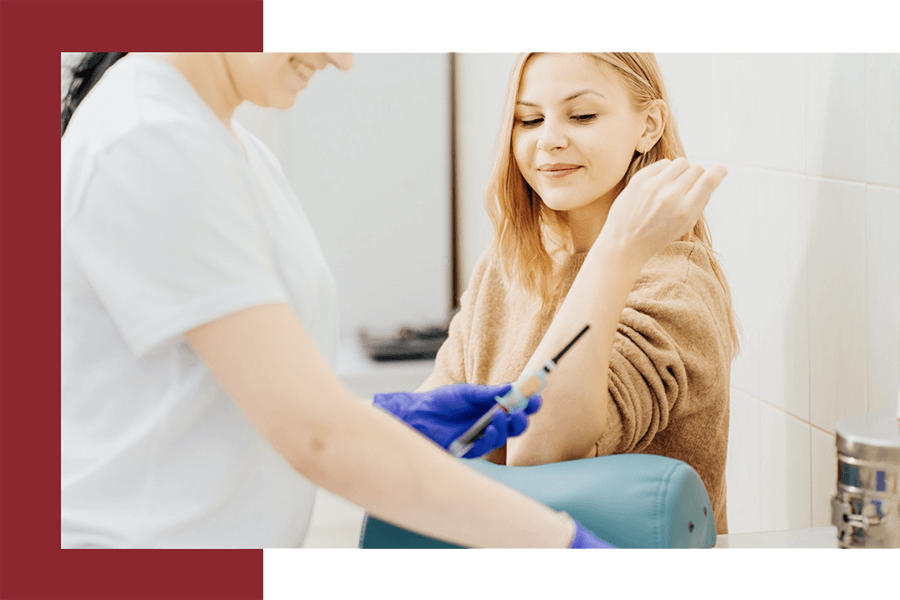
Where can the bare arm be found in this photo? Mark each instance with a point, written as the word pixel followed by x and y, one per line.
pixel 574 411
pixel 662 202
pixel 264 359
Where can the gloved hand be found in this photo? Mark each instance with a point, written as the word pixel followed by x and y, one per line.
pixel 445 413
pixel 585 539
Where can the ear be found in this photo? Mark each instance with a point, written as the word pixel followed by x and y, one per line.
pixel 654 123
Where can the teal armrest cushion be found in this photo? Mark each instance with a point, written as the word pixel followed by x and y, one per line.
pixel 629 500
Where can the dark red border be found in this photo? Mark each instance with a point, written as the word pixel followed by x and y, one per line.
pixel 32 36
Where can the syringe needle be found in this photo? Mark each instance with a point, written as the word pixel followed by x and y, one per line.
pixel 570 344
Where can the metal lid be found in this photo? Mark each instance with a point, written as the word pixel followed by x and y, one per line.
pixel 870 436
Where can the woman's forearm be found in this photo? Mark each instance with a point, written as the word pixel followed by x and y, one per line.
pixel 379 463
pixel 573 413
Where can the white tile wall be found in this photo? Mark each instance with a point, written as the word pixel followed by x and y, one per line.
pixel 742 469
pixel 883 295
pixel 784 470
pixel 808 228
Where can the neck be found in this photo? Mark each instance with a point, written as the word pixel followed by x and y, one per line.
pixel 211 77
pixel 585 223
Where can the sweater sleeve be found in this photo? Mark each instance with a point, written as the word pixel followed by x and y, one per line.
pixel 666 354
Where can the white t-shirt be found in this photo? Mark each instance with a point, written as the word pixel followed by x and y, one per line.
pixel 167 224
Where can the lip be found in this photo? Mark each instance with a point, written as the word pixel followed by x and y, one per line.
pixel 299 78
pixel 558 170
pixel 302 68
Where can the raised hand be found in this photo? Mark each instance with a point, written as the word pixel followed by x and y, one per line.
pixel 660 204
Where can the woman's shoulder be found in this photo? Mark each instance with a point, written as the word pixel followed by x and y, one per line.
pixel 682 270
pixel 487 284
pixel 679 261
pixel 140 99
pixel 486 270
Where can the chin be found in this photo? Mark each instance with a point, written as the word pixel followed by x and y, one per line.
pixel 564 204
pixel 284 101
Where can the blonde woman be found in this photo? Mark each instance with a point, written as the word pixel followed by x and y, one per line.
pixel 586 199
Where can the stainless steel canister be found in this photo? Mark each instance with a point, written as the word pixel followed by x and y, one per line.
pixel 866 507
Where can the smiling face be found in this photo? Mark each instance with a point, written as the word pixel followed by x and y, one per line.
pixel 575 131
pixel 273 79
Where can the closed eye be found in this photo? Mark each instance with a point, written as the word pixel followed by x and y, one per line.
pixel 537 121
pixel 531 122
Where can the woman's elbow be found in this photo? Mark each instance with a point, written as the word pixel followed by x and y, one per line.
pixel 573 443
pixel 309 451
pixel 530 455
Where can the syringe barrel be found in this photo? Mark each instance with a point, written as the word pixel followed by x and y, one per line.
pixel 528 385
pixel 465 442
pixel 515 399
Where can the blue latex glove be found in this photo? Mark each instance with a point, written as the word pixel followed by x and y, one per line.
pixel 585 539
pixel 445 413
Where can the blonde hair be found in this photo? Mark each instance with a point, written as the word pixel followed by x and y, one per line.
pixel 526 231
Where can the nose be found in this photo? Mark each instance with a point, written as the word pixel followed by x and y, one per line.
pixel 551 137
pixel 341 60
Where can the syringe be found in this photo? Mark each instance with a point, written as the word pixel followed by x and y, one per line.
pixel 516 398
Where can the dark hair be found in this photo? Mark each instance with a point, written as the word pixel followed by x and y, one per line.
pixel 85 76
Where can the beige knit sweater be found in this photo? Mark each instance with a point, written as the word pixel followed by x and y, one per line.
pixel 669 368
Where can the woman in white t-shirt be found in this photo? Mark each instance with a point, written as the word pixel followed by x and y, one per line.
pixel 198 407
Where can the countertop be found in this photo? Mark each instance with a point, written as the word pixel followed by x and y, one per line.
pixel 366 377
pixel 814 537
